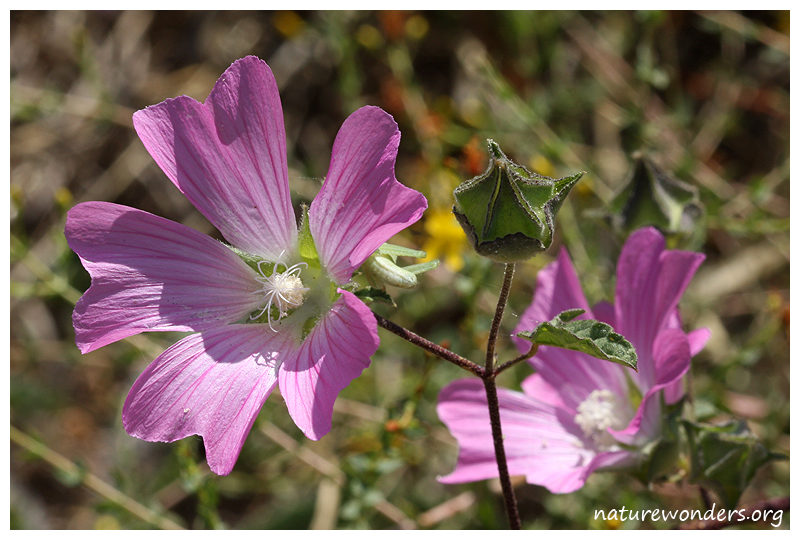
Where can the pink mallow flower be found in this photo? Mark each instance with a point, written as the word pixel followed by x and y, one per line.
pixel 577 413
pixel 282 319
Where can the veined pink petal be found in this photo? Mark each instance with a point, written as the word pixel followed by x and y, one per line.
pixel 650 282
pixel 557 289
pixel 671 357
pixel 152 274
pixel 361 204
pixel 228 156
pixel 334 353
pixel 537 443
pixel 211 384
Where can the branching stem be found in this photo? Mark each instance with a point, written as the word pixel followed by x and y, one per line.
pixel 433 348
pixel 508 275
pixel 488 374
pixel 502 367
pixel 494 406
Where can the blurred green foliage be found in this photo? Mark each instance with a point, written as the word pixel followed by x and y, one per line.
pixel 705 96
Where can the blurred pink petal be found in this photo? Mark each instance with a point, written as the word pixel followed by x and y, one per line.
pixel 650 282
pixel 228 156
pixel 535 385
pixel 574 374
pixel 576 411
pixel 361 204
pixel 538 445
pixel 604 312
pixel 557 290
pixel 152 274
pixel 527 425
pixel 671 357
pixel 698 339
pixel 334 353
pixel 211 384
pixel 562 473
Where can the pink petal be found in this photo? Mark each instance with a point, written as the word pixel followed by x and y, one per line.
pixel 334 353
pixel 536 387
pixel 604 312
pixel 674 392
pixel 152 274
pixel 650 282
pixel 361 204
pixel 228 156
pixel 698 339
pixel 574 374
pixel 557 289
pixel 212 384
pixel 561 473
pixel 671 362
pixel 537 443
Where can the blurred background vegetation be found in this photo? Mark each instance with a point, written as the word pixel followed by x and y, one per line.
pixel 705 95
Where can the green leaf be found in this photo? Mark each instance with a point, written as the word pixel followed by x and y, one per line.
pixel 588 336
pixel 724 458
pixel 371 294
pixel 508 212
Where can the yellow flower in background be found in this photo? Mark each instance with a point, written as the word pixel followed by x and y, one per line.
pixel 542 165
pixel 446 240
pixel 288 23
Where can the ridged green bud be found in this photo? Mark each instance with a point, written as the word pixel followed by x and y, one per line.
pixel 508 212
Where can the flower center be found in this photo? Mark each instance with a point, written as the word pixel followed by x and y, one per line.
pixel 282 289
pixel 599 412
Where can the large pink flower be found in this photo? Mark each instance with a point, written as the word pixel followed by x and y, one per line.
pixel 576 414
pixel 261 315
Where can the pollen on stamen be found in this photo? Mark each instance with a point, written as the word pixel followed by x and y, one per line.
pixel 284 290
pixel 597 413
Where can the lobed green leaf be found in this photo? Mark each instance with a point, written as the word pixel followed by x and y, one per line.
pixel 588 336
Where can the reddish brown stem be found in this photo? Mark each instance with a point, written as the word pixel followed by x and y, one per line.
pixel 433 348
pixel 490 373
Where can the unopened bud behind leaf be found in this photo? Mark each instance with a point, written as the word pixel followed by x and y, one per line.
pixel 651 197
pixel 508 212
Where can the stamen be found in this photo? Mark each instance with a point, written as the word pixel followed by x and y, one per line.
pixel 597 413
pixel 282 289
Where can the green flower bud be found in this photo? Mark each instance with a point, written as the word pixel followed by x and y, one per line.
pixel 507 212
pixel 650 197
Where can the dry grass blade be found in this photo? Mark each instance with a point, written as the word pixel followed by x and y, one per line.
pixel 447 509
